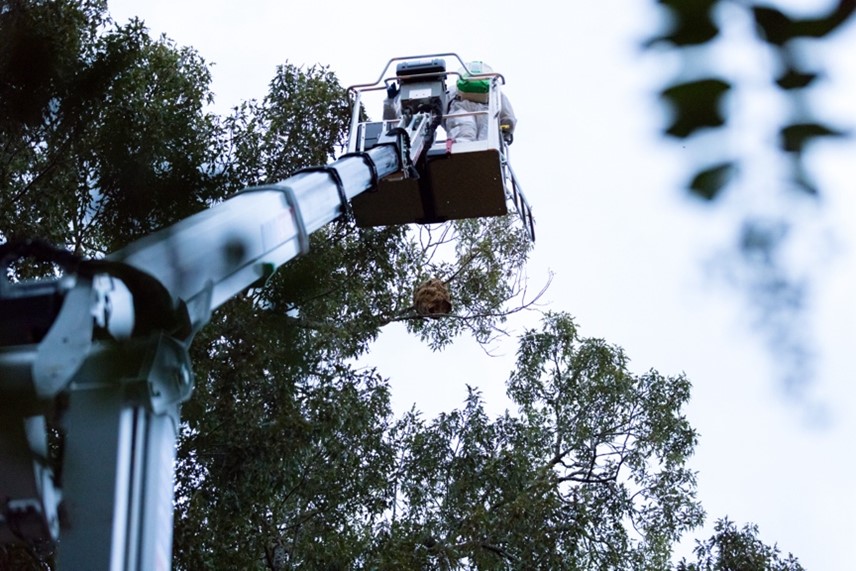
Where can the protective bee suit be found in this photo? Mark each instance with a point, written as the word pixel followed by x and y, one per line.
pixel 471 96
pixel 392 103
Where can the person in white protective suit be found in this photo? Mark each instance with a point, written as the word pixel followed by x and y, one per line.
pixel 392 104
pixel 470 95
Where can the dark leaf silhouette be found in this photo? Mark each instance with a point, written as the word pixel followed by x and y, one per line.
pixel 795 79
pixel 708 183
pixel 795 137
pixel 692 23
pixel 778 29
pixel 695 105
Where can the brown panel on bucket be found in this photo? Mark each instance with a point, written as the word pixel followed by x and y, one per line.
pixel 467 185
pixel 394 202
pixel 462 185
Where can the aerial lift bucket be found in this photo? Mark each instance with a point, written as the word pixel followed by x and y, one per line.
pixel 451 180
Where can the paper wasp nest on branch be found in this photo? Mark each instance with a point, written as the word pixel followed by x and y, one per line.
pixel 432 298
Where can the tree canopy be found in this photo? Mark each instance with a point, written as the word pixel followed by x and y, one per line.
pixel 733 549
pixel 104 131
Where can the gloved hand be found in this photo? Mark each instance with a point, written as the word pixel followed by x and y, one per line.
pixel 507 134
pixel 392 90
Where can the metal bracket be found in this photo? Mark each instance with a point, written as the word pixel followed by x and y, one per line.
pixel 67 343
pixel 165 371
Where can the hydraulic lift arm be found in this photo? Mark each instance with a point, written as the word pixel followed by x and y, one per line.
pixel 110 337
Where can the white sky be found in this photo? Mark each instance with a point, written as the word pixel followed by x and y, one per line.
pixel 626 245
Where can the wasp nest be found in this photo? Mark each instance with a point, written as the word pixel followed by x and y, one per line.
pixel 432 298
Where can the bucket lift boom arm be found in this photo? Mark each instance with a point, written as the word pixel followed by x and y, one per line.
pixel 112 335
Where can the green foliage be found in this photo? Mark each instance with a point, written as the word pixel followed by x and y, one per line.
pixel 298 124
pixel 691 22
pixel 484 270
pixel 708 183
pixel 778 29
pixel 696 104
pixel 283 456
pixel 611 430
pixel 732 549
pixel 590 474
pixel 107 140
pixel 795 137
pixel 706 106
pixel 39 54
